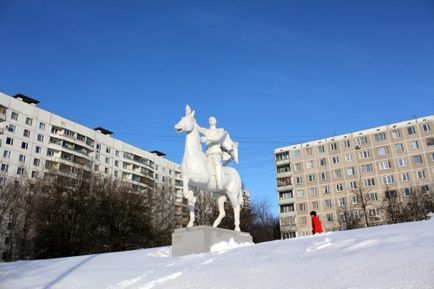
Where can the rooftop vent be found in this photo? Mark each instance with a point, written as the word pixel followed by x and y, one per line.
pixel 103 130
pixel 26 99
pixel 158 153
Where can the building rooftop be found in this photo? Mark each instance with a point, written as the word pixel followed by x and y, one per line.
pixel 158 153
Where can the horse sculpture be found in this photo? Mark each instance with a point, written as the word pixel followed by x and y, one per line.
pixel 197 174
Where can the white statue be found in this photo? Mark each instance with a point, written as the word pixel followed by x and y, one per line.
pixel 219 146
pixel 198 170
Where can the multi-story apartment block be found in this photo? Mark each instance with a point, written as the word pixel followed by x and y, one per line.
pixel 325 175
pixel 34 142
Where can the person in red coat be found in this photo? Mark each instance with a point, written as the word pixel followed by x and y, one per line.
pixel 316 223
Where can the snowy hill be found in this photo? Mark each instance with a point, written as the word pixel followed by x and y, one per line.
pixel 395 256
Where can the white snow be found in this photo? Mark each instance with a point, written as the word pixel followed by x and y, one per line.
pixel 394 256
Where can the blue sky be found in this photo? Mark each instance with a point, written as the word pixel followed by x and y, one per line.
pixel 274 73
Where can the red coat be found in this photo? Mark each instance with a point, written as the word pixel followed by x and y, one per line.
pixel 316 225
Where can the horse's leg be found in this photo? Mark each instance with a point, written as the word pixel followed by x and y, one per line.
pixel 191 200
pixel 237 217
pixel 221 203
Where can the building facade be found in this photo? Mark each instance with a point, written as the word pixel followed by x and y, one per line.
pixel 327 175
pixel 35 142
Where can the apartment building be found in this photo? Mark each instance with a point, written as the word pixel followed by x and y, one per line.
pixel 34 142
pixel 325 175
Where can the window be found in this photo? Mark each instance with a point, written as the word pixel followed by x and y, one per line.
pixel 20 171
pixel 322 162
pixel 14 115
pixel 116 163
pixel 365 154
pixel 106 170
pixel 429 141
pixel 408 192
pixel 11 128
pixel 311 177
pixel 315 205
pixel 107 160
pixel 329 217
pixel 22 158
pixel 42 125
pixel 280 169
pixel 300 193
pixel 297 167
pixel 348 157
pixel 29 121
pixel 417 159
pixel 356 215
pixel 7 154
pixel 26 133
pixel 384 165
pixel 362 140
pixel 405 177
pixel 24 145
pixel 9 141
pixel 426 127
pixel 4 168
pixel 337 173
pixel 335 159
pixel 347 144
pixel 34 174
pixel 328 203
pixel 381 151
pixel 391 194
pixel 351 171
pixel 107 150
pixel 380 136
pixel 333 146
pixel 287 208
pixel 420 174
pixel 387 180
pixel 321 149
pixel 326 189
pixel 396 133
pixel 366 168
pixel 373 212
pixel 339 187
pixel 298 180
pixel 369 182
pixel 323 175
pixel 353 185
pixel 282 181
pixel 401 162
pixel 340 202
pixel 312 192
pixel 354 200
pixel 414 145
pixel 372 197
pixel 286 195
pixel 38 149
pixel 309 165
pixel 36 162
pixel 279 156
pixel 411 130
pixel 399 147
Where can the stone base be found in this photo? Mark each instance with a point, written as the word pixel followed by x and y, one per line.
pixel 200 239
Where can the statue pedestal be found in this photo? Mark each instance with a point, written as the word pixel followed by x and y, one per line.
pixel 200 239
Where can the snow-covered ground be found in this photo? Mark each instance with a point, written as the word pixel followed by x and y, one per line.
pixel 395 256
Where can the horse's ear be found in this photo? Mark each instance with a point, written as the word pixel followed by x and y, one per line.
pixel 192 114
pixel 187 110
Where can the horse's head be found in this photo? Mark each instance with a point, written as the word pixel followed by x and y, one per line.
pixel 187 122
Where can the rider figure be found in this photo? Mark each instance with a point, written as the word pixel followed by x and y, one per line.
pixel 218 147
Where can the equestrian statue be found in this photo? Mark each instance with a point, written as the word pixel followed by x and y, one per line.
pixel 208 171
